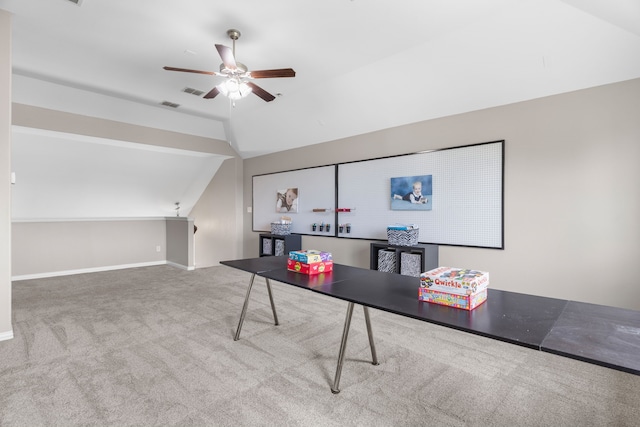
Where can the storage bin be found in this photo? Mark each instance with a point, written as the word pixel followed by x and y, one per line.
pixel 403 237
pixel 387 261
pixel 410 264
pixel 266 247
pixel 280 229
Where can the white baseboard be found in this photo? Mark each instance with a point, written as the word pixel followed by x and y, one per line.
pixel 184 267
pixel 6 335
pixel 86 270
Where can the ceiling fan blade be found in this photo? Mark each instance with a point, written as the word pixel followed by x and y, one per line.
pixel 212 93
pixel 186 70
pixel 227 56
pixel 261 92
pixel 267 74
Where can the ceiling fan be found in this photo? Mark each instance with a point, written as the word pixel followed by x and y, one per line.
pixel 237 76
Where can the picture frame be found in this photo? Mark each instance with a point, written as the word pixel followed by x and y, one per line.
pixel 412 193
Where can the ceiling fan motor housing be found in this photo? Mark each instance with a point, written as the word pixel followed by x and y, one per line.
pixel 240 69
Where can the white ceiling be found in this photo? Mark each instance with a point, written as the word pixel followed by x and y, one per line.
pixel 362 65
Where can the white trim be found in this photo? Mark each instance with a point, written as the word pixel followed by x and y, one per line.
pixel 184 267
pixel 111 219
pixel 6 335
pixel 86 270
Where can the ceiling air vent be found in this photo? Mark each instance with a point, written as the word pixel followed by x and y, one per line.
pixel 169 104
pixel 193 91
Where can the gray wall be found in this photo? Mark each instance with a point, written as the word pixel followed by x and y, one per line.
pixel 218 216
pixel 43 118
pixel 6 330
pixel 65 247
pixel 572 202
pixel 180 242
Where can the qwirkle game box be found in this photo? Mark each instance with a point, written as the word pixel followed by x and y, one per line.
pixel 455 287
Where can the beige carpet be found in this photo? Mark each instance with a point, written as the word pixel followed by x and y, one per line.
pixel 154 346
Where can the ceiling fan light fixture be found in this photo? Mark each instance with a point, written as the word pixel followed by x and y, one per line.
pixel 235 88
pixel 232 85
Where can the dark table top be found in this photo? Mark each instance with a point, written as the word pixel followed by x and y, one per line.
pixel 607 336
pixel 507 316
pixel 324 283
pixel 258 265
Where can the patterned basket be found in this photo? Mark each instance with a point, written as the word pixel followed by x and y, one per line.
pixel 280 229
pixel 403 237
pixel 267 247
pixel 387 261
pixel 410 264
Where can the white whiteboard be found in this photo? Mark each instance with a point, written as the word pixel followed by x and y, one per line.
pixel 466 205
pixel 316 190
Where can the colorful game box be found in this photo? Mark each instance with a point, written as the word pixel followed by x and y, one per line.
pixel 454 287
pixel 465 302
pixel 309 256
pixel 457 281
pixel 309 268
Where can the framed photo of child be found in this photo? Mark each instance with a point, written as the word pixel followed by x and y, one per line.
pixel 287 200
pixel 412 193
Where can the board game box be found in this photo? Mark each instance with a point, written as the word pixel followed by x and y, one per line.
pixel 454 287
pixel 310 255
pixel 309 268
pixel 465 302
pixel 457 281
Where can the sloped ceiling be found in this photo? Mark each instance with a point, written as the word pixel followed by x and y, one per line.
pixel 362 65
pixel 65 176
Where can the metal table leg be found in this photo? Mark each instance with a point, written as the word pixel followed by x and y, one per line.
pixel 246 304
pixel 244 308
pixel 343 346
pixel 273 306
pixel 374 356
